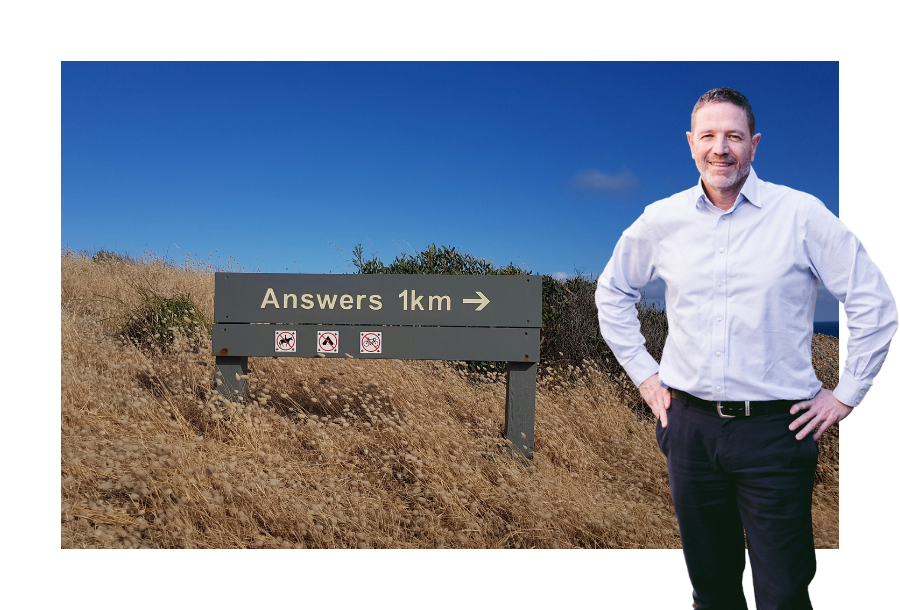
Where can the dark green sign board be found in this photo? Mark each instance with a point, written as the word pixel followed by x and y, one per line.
pixel 406 317
pixel 405 300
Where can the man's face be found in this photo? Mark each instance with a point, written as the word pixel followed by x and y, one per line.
pixel 722 145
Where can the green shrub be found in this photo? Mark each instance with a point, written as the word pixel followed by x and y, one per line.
pixel 654 327
pixel 434 260
pixel 108 256
pixel 571 330
pixel 157 320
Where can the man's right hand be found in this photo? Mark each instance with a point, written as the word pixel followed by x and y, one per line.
pixel 657 397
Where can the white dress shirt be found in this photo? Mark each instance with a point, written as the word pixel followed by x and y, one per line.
pixel 741 294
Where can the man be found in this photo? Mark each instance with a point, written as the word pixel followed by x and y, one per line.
pixel 741 260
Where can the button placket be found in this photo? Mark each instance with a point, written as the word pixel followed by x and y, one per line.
pixel 718 338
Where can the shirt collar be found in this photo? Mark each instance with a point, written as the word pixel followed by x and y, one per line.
pixel 750 191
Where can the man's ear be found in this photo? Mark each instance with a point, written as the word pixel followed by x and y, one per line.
pixel 754 142
pixel 690 138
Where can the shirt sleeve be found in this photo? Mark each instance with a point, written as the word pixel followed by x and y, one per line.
pixel 841 262
pixel 618 290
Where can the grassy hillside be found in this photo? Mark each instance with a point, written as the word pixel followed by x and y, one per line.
pixel 348 453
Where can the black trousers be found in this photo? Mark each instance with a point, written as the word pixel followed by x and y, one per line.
pixel 728 476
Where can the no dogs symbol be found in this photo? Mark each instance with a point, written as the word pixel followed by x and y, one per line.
pixel 286 341
pixel 327 342
pixel 369 343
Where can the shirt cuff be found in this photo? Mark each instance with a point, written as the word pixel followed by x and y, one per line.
pixel 641 368
pixel 850 391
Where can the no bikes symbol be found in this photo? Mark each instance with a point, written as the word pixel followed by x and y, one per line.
pixel 369 343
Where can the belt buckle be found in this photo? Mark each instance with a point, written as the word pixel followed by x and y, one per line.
pixel 746 409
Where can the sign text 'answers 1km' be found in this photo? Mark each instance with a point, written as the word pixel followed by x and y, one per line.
pixel 403 300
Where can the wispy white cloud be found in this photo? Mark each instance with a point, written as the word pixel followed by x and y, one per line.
pixel 595 181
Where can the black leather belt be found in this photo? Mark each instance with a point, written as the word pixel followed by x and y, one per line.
pixel 735 408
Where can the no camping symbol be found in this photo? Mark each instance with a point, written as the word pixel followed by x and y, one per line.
pixel 327 342
pixel 369 343
pixel 286 341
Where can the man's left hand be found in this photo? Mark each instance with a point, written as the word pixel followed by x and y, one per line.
pixel 822 409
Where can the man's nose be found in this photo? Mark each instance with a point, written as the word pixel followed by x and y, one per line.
pixel 720 146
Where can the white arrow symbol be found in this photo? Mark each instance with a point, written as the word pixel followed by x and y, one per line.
pixel 483 300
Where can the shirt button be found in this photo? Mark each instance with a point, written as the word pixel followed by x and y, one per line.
pixel 721 249
pixel 718 283
pixel 718 354
pixel 718 389
pixel 862 391
pixel 719 319
pixel 857 402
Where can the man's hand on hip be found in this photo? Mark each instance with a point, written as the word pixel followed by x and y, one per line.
pixel 657 397
pixel 822 409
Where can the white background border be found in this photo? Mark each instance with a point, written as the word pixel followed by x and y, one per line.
pixel 39 35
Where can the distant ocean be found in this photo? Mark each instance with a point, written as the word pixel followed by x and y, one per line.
pixel 826 328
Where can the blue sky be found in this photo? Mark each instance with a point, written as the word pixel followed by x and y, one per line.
pixel 540 164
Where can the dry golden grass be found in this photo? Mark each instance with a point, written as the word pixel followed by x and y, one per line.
pixel 348 453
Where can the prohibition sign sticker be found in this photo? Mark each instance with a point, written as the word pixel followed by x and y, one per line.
pixel 369 343
pixel 286 341
pixel 327 341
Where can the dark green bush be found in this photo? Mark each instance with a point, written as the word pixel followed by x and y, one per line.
pixel 108 256
pixel 439 260
pixel 157 320
pixel 571 330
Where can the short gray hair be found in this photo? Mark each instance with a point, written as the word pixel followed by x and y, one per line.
pixel 724 94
